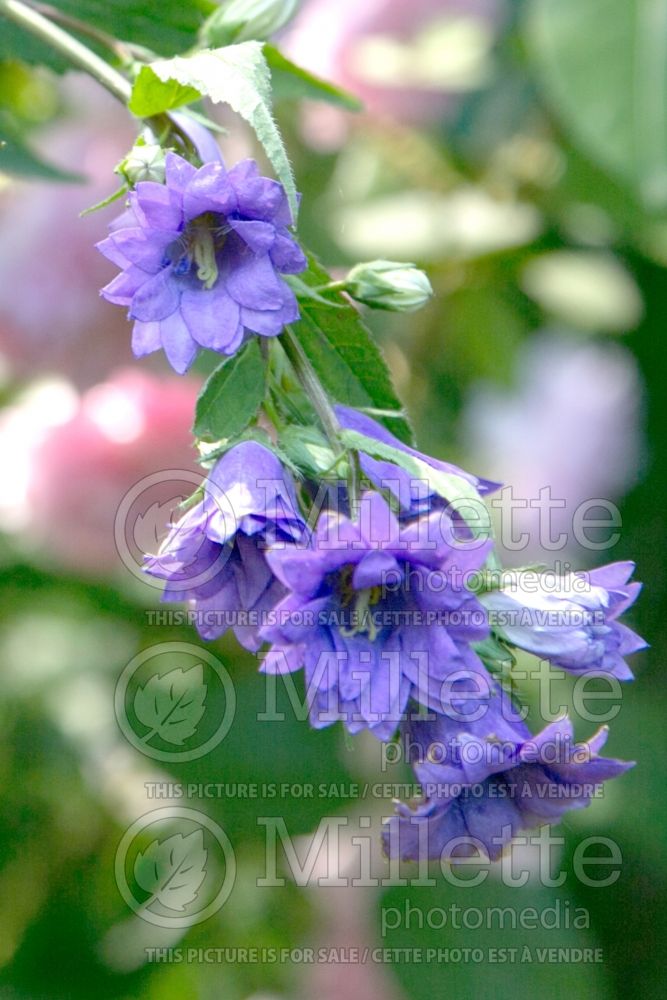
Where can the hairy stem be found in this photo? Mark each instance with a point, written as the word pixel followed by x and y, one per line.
pixel 312 386
pixel 77 53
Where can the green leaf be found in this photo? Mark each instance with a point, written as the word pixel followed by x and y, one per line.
pixel 342 351
pixel 171 705
pixel 308 449
pixel 150 96
pixel 603 66
pixel 232 395
pixel 237 75
pixel 293 83
pixel 458 492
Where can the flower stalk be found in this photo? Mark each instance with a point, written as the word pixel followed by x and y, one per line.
pixel 64 43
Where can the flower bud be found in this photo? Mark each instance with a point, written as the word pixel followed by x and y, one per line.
pixel 144 162
pixel 242 20
pixel 388 284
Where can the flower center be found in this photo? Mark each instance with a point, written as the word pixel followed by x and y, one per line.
pixel 359 603
pixel 202 239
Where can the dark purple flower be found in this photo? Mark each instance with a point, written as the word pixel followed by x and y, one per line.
pixel 484 784
pixel 574 625
pixel 377 612
pixel 201 259
pixel 215 555
pixel 416 495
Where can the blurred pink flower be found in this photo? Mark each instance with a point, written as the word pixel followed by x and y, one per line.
pixel 389 53
pixel 572 425
pixel 69 461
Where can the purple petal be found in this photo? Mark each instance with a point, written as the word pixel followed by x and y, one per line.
pixel 287 255
pixel 124 286
pixel 259 236
pixel 212 316
pixel 135 246
pixel 157 207
pixel 271 323
pixel 145 338
pixel 157 298
pixel 180 348
pixel 204 141
pixel 255 285
pixel 209 191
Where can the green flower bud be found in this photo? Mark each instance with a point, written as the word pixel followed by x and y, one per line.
pixel 144 162
pixel 389 284
pixel 243 20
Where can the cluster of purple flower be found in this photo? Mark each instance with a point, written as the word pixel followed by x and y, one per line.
pixel 371 605
pixel 371 597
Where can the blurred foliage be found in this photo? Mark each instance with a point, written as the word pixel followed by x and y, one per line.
pixel 536 199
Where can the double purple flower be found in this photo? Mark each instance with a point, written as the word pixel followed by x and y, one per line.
pixel 201 258
pixel 377 612
pixel 215 555
pixel 486 782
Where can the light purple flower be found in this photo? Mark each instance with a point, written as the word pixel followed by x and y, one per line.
pixel 201 259
pixel 493 784
pixel 574 625
pixel 377 612
pixel 215 555
pixel 415 495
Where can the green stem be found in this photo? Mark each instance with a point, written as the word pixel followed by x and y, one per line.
pixel 312 386
pixel 70 47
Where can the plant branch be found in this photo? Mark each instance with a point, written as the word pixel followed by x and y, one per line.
pixel 64 43
pixel 312 386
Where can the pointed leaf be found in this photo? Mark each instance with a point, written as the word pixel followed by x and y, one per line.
pixel 342 351
pixel 231 396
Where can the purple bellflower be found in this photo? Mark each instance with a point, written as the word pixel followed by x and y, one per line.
pixel 376 612
pixel 574 627
pixel 215 555
pixel 485 783
pixel 201 258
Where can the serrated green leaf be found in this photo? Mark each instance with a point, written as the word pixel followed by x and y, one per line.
pixel 293 83
pixel 342 351
pixel 603 66
pixel 231 396
pixel 173 870
pixel 172 704
pixel 237 75
pixel 150 96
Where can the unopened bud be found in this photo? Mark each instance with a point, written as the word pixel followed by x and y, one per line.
pixel 389 284
pixel 144 162
pixel 243 20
